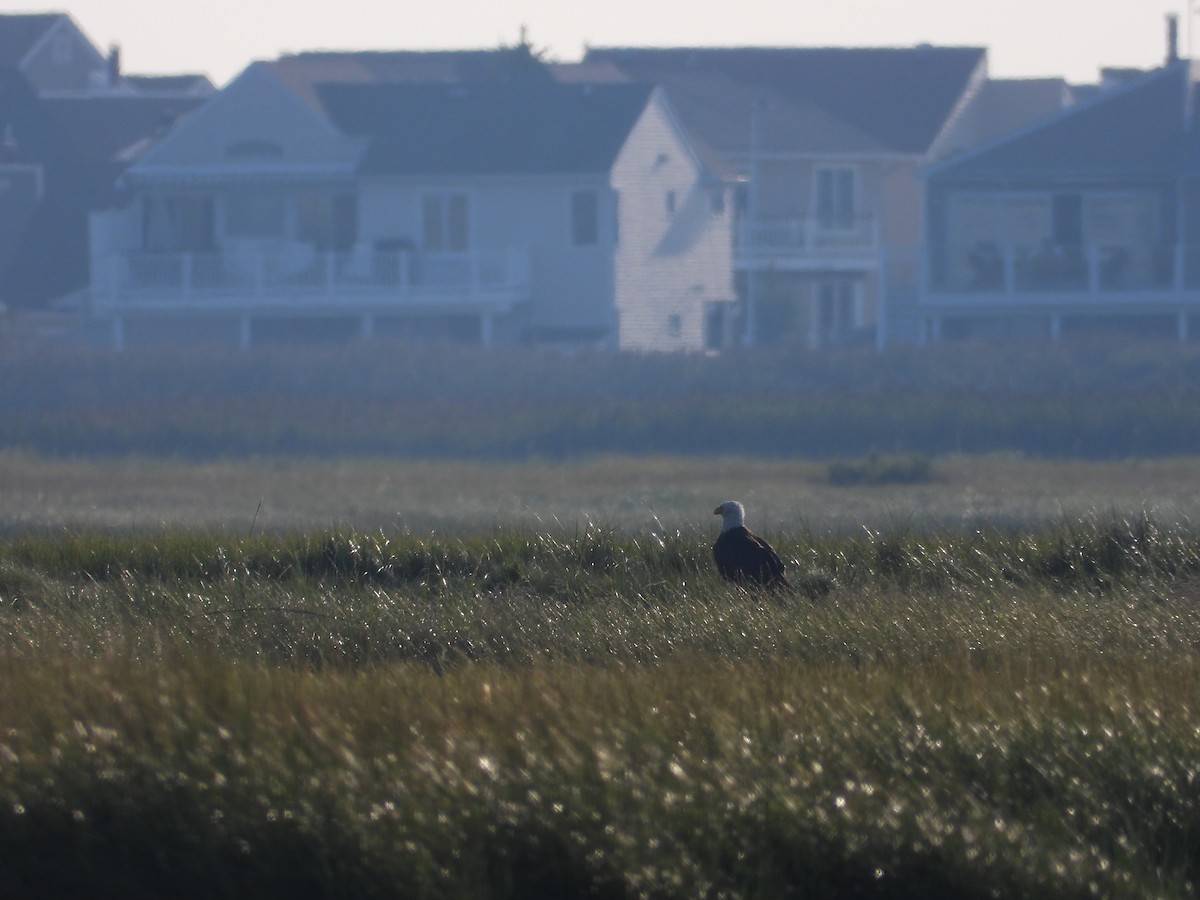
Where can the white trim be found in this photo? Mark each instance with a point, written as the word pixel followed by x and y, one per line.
pixel 974 87
pixel 63 21
pixel 835 156
pixel 216 174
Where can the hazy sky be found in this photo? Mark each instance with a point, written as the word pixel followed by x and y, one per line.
pixel 1071 38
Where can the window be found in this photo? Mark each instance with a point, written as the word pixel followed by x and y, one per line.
pixel 585 218
pixel 675 325
pixel 254 215
pixel 671 201
pixel 835 198
pixel 837 306
pixel 445 223
pixel 327 221
pixel 180 224
pixel 1120 219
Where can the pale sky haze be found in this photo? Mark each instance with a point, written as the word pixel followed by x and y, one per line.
pixel 1025 38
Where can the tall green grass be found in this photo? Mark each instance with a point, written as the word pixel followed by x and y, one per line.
pixel 516 713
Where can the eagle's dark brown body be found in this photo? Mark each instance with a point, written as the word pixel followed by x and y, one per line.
pixel 743 556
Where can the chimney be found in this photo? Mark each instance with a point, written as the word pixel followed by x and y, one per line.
pixel 1172 38
pixel 114 65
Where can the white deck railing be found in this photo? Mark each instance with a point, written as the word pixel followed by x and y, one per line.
pixel 987 270
pixel 808 237
pixel 299 275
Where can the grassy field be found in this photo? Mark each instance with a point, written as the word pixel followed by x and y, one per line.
pixel 446 680
pixel 634 495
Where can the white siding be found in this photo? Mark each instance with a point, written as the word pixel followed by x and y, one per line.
pixel 669 265
pixel 572 286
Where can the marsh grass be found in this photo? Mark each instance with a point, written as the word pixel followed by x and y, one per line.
pixel 517 713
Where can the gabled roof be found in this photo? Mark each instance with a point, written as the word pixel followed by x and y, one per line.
pixel 1137 129
pixel 730 116
pixel 303 72
pixel 531 127
pixel 899 97
pixel 1002 106
pixel 20 33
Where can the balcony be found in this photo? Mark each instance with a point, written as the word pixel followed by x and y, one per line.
pixel 987 275
pixel 808 243
pixel 299 278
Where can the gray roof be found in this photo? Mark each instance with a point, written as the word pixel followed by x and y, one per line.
pixel 182 84
pixel 107 127
pixel 524 127
pixel 1137 129
pixel 303 73
pixel 899 97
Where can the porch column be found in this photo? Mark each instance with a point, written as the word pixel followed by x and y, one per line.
pixel 245 333
pixel 935 328
pixel 118 332
pixel 366 328
pixel 486 325
pixel 1181 325
pixel 751 324
pixel 1055 327
pixel 882 300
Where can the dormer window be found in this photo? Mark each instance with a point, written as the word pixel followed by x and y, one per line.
pixel 585 218
pixel 254 150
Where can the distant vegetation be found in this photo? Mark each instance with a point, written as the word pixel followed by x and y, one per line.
pixel 876 469
pixel 512 714
pixel 1071 400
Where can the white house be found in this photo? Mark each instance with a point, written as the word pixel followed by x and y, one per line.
pixel 373 194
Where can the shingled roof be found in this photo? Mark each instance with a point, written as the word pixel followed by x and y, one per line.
pixel 303 73
pixel 900 97
pixel 112 127
pixel 1136 129
pixel 532 127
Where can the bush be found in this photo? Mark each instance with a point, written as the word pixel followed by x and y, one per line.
pixel 877 469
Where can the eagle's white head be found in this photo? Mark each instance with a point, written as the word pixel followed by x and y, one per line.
pixel 732 513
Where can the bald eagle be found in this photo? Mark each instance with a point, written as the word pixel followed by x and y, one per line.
pixel 743 556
